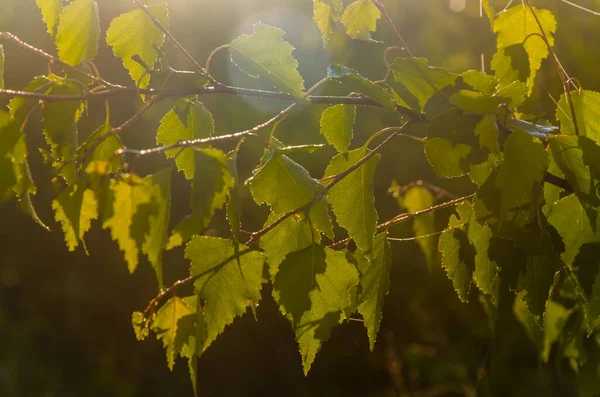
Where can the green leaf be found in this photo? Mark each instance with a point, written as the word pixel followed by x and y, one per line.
pixel 486 273
pixel 415 199
pixel 233 209
pixel 518 26
pixel 572 223
pixel 186 121
pixel 586 105
pixel 352 198
pixel 105 152
pixel 420 80
pixel 374 284
pixel 326 13
pixel 1 67
pixel 78 32
pixel 360 19
pixel 286 186
pixel 357 82
pixel 539 279
pixel 20 107
pixel 60 128
pixel 51 10
pixel 555 318
pixel 337 124
pixel 489 11
pixel 312 290
pixel 75 208
pixel 133 33
pixel 480 81
pixel 458 256
pixel 266 54
pixel 291 235
pixel 228 280
pixel 487 131
pixel 447 159
pixel 167 323
pixel 129 193
pixel 209 193
pixel 523 168
pixel 139 324
pixel 158 221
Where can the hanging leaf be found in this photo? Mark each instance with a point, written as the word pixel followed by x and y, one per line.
pixel 266 54
pixel 134 33
pixel 446 158
pixel 326 13
pixel 518 26
pixel 555 318
pixel 51 10
pixel 60 128
pixel 105 152
pixel 233 210
pixel 360 19
pixel 420 80
pixel 352 198
pixel 337 123
pixel 586 105
pixel 228 281
pixel 158 221
pixel 78 32
pixel 286 186
pixel 75 208
pixel 523 168
pixel 374 285
pixel 312 290
pixel 168 325
pixel 186 121
pixel 539 279
pixel 480 81
pixel 579 159
pixel 357 82
pixel 458 256
pixel 291 235
pixel 487 272
pixel 209 193
pixel 415 199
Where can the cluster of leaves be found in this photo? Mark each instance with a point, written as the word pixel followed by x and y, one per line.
pixel 515 232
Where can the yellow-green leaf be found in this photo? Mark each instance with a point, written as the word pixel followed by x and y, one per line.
pixel 78 32
pixel 266 54
pixel 228 280
pixel 416 199
pixel 167 325
pixel 133 33
pixel 337 123
pixel 326 13
pixel 360 19
pixel 50 13
pixel 75 208
pixel 586 104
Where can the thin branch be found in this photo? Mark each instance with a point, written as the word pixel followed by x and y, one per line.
pixel 197 142
pixel 406 216
pixel 53 59
pixel 581 7
pixel 170 36
pixel 389 21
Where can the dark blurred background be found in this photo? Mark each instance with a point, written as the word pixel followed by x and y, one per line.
pixel 65 326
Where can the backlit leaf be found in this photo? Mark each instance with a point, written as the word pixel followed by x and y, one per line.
pixel 50 13
pixel 326 13
pixel 166 326
pixel 486 273
pixel 415 199
pixel 447 159
pixel 312 290
pixel 360 19
pixel 78 32
pixel 555 318
pixel 266 54
pixel 352 198
pixel 357 82
pixel 375 284
pixel 75 208
pixel 525 162
pixel 586 105
pixel 539 279
pixel 133 33
pixel 197 123
pixel 458 256
pixel 421 80
pixel 228 280
pixel 518 26
pixel 337 123
pixel 209 193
